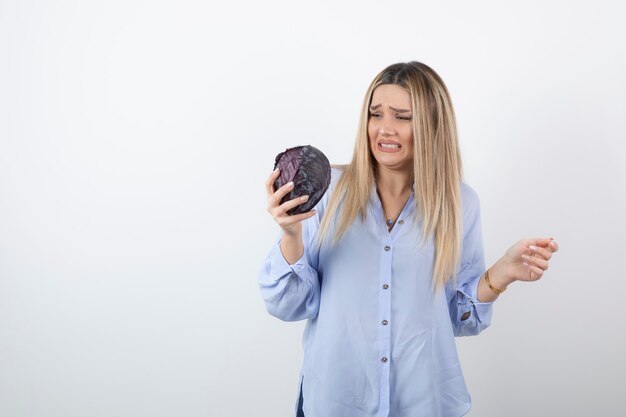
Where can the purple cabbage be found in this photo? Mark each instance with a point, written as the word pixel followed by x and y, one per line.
pixel 309 170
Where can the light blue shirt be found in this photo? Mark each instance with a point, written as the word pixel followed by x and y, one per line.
pixel 377 342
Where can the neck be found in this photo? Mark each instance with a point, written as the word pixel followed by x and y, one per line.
pixel 394 184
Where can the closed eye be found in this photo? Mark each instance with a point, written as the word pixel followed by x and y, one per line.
pixel 378 115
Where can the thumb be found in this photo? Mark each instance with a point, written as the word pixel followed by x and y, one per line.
pixel 542 242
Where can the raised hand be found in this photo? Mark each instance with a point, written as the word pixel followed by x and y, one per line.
pixel 291 224
pixel 527 260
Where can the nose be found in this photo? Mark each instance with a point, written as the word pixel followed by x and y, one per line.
pixel 386 128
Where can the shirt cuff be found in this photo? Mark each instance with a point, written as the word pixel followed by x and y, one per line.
pixel 279 264
pixel 465 301
pixel 472 296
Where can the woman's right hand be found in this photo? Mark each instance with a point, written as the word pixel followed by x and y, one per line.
pixel 291 224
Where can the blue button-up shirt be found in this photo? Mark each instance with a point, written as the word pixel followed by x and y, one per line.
pixel 377 341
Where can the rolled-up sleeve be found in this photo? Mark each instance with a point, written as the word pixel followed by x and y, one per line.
pixel 290 292
pixel 469 316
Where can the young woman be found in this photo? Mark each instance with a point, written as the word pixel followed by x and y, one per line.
pixel 389 266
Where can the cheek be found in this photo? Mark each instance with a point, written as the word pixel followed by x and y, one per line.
pixel 408 134
pixel 371 132
pixel 371 129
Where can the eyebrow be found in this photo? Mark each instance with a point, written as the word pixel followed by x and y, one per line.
pixel 376 107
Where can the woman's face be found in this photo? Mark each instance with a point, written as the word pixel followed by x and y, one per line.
pixel 389 127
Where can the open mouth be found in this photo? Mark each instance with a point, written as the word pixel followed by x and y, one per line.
pixel 389 147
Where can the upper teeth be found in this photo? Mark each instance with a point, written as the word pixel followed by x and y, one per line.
pixel 389 145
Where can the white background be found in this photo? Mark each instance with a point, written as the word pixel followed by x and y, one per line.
pixel 135 138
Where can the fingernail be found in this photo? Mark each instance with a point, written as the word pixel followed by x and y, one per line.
pixel 290 184
pixel 304 198
pixel 533 247
pixel 525 257
pixel 525 263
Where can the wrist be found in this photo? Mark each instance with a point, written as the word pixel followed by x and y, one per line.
pixel 291 247
pixel 500 276
pixel 293 232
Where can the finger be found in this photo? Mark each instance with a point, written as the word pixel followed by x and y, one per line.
pixel 538 241
pixel 542 252
pixel 554 246
pixel 549 244
pixel 276 198
pixel 536 260
pixel 288 205
pixel 304 216
pixel 534 272
pixel 287 221
pixel 269 183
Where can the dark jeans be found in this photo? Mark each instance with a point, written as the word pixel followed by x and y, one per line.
pixel 300 412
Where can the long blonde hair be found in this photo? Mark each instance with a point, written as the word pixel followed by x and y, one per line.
pixel 437 168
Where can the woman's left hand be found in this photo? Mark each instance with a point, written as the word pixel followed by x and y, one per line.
pixel 527 260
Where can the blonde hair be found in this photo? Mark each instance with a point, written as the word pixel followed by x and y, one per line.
pixel 437 168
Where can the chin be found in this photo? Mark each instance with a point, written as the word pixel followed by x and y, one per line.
pixel 395 165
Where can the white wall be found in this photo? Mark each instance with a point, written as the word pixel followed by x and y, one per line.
pixel 135 138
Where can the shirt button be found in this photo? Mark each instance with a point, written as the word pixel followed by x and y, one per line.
pixel 385 322
pixel 383 359
pixel 385 286
pixel 387 248
pixel 401 221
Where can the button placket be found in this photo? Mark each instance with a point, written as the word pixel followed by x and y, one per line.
pixel 384 314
